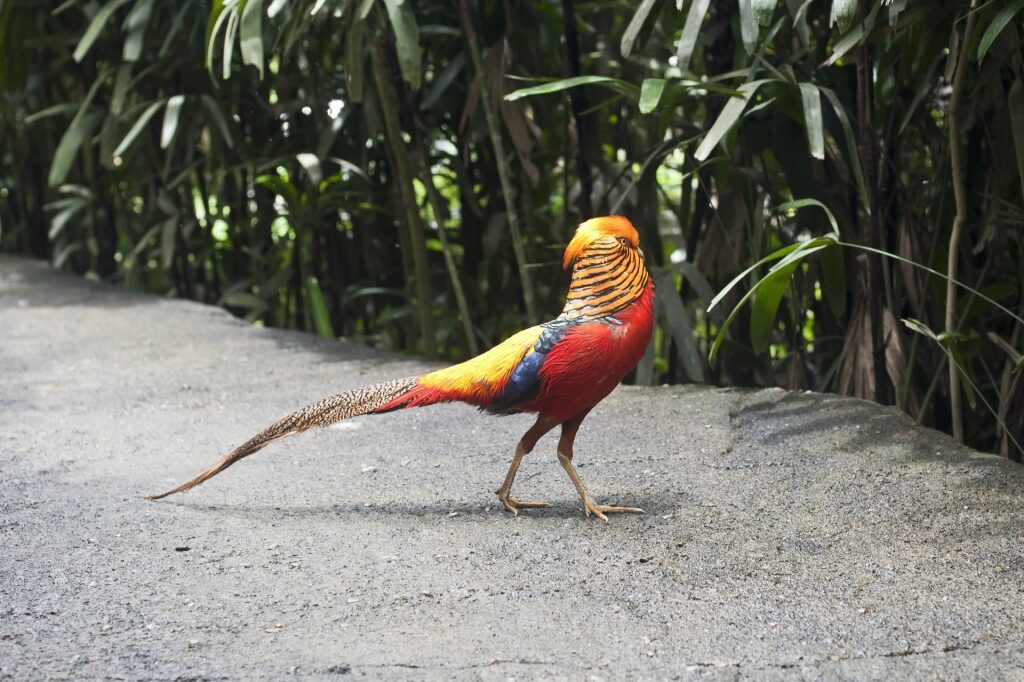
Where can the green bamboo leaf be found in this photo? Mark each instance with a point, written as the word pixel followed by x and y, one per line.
pixel 245 299
pixel 218 16
pixel 168 236
pixel 700 284
pixel 228 49
pixel 812 119
pixel 843 12
pixel 650 94
pixel 797 204
pixel 95 27
pixel 251 34
pixel 727 118
pixel 748 26
pixel 948 344
pixel 71 141
pixel 275 7
pixel 851 145
pixel 407 40
pixel 763 11
pixel 318 308
pixel 895 7
pixel 798 13
pixel 786 256
pixel 443 81
pixel 55 110
pixel 171 115
pixel 833 280
pixel 845 44
pixel 766 306
pixel 1016 107
pixel 999 22
pixel 219 119
pixel 135 29
pixel 311 164
pixel 137 128
pixel 634 26
pixel 354 62
pixel 691 31
pixel 679 323
pixel 566 83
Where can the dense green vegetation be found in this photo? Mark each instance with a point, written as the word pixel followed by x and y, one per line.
pixel 406 173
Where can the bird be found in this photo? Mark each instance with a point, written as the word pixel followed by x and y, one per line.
pixel 558 370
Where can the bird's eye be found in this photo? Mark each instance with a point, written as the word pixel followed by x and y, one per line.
pixel 623 241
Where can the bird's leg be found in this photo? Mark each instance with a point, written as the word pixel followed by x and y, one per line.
pixel 565 443
pixel 524 448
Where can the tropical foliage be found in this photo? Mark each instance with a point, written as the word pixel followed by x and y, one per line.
pixel 404 174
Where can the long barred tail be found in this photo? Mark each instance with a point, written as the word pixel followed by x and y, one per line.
pixel 318 415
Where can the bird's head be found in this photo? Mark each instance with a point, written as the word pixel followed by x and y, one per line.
pixel 600 235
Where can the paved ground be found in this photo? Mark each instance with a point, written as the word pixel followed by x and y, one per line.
pixel 787 536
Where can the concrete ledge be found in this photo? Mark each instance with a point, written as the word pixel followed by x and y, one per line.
pixel 786 534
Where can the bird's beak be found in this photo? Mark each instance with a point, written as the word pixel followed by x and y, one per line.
pixel 641 252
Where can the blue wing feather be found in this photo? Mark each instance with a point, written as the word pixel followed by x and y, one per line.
pixel 525 380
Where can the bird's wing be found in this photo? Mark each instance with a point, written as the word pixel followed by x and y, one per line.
pixel 524 381
pixel 481 380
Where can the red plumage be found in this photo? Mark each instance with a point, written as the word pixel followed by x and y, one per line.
pixel 591 359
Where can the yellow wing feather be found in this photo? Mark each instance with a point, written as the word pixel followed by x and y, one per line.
pixel 480 379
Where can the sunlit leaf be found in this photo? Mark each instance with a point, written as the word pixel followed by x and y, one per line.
pixel 691 31
pixel 843 12
pixel 730 113
pixel 650 94
pixel 92 32
pixel 171 116
pixel 566 83
pixel 811 99
pixel 748 26
pixel 634 26
pixel 135 29
pixel 138 127
pixel 251 34
pixel 763 11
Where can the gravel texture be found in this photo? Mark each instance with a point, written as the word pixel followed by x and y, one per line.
pixel 787 535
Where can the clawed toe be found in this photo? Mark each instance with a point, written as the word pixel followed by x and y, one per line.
pixel 514 505
pixel 599 510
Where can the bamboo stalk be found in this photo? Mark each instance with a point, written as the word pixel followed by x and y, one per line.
pixel 437 206
pixel 504 173
pixel 960 198
pixel 414 226
pixel 867 150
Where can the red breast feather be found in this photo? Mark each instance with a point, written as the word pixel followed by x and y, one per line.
pixel 592 358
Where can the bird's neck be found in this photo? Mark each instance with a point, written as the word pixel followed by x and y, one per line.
pixel 604 284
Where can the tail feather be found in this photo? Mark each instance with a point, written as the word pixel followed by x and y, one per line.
pixel 317 415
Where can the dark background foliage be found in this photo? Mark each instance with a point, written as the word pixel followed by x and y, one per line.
pixel 405 174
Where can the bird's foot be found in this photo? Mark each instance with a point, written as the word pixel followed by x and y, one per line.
pixel 514 505
pixel 599 510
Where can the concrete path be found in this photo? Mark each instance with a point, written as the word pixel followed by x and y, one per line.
pixel 787 535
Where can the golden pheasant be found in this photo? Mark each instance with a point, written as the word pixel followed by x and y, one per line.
pixel 558 370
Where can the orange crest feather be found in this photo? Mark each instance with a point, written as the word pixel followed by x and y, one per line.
pixel 594 229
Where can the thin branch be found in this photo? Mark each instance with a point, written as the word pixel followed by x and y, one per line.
pixel 960 197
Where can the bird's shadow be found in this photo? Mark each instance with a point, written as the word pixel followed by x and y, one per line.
pixel 450 510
